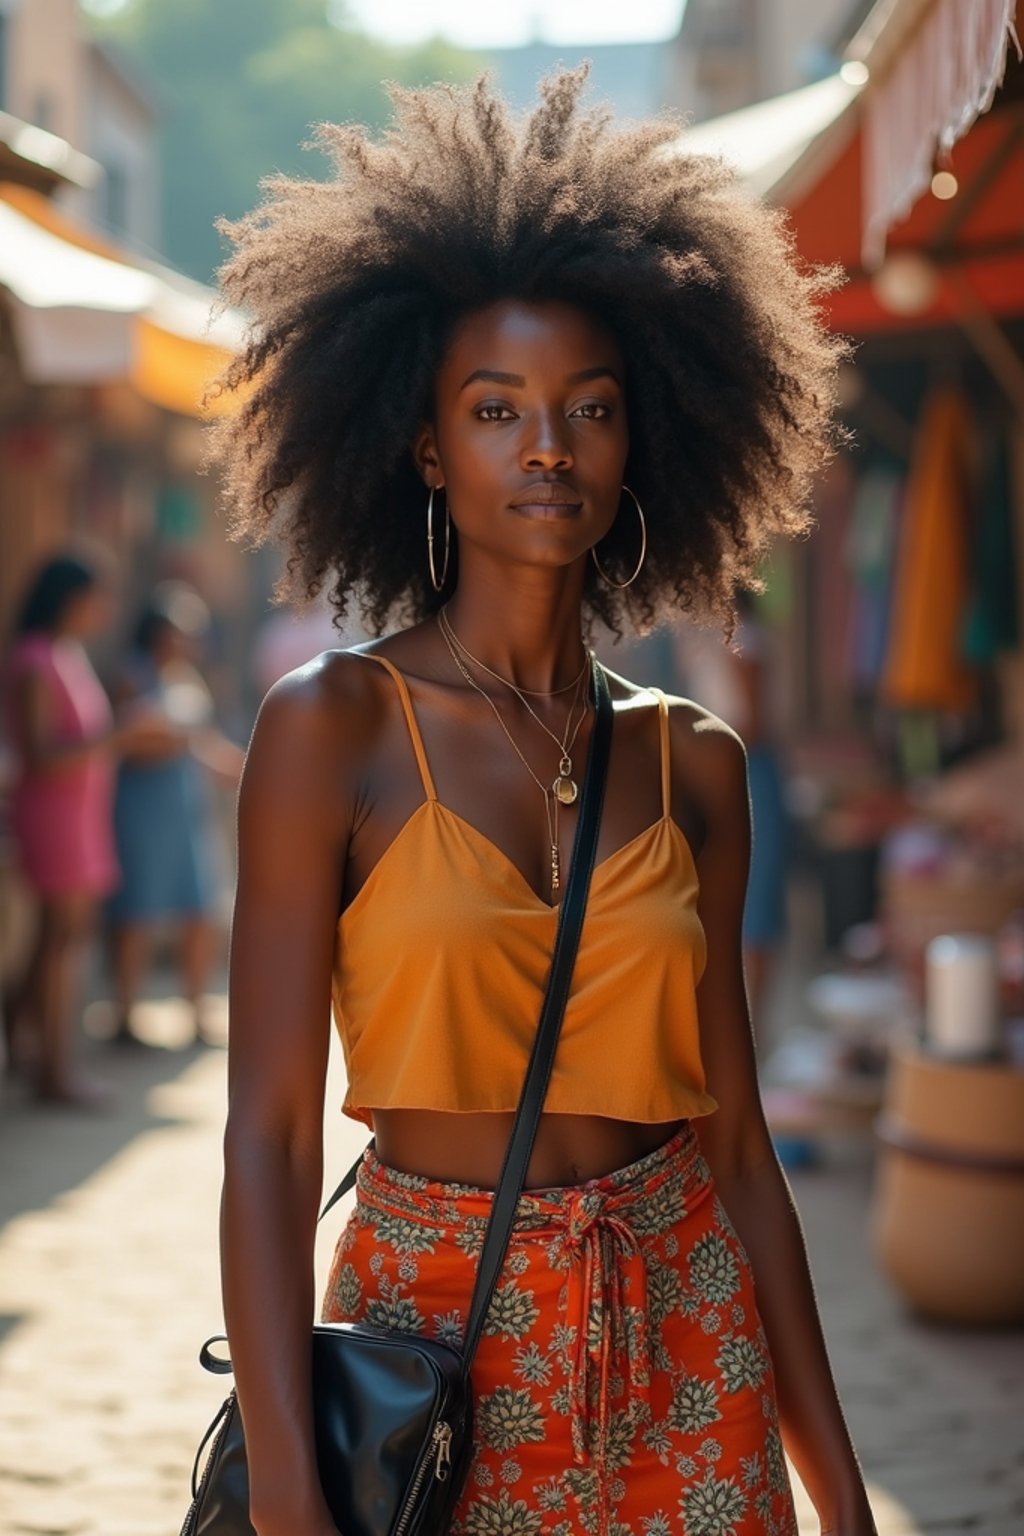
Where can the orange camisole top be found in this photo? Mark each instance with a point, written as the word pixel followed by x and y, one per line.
pixel 442 957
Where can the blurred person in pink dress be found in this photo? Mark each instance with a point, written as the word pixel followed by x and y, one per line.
pixel 65 742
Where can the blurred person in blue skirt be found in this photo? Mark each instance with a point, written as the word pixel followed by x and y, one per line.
pixel 164 824
pixel 733 684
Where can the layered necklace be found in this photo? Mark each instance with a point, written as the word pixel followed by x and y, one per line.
pixel 563 790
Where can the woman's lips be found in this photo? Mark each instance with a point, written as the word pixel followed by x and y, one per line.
pixel 547 509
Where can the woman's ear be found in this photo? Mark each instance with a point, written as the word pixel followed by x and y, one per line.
pixel 425 456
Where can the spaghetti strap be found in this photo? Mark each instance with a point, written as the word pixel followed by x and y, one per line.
pixel 410 720
pixel 666 756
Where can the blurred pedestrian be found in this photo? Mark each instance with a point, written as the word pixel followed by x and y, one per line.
pixel 65 742
pixel 733 682
pixel 164 821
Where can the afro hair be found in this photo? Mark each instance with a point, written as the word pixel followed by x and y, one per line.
pixel 353 285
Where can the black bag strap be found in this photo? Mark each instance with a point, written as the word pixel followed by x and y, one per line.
pixel 348 1182
pixel 542 1057
pixel 545 1041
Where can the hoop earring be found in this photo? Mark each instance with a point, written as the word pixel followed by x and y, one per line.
pixel 434 581
pixel 621 585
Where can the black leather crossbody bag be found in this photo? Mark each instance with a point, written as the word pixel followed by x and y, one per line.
pixel 393 1412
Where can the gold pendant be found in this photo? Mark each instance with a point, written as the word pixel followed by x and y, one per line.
pixel 555 869
pixel 565 790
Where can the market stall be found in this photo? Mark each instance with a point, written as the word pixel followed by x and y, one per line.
pixel 901 623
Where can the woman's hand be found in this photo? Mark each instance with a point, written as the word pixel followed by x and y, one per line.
pixel 145 733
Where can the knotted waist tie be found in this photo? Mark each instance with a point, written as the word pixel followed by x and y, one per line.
pixel 606 1306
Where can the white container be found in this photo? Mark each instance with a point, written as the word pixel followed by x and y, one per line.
pixel 962 1016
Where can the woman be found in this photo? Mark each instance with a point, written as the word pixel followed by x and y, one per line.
pixel 66 742
pixel 163 817
pixel 504 330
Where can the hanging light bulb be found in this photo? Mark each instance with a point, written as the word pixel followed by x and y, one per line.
pixel 906 283
pixel 944 185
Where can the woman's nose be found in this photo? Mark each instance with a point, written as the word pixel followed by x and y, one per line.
pixel 546 446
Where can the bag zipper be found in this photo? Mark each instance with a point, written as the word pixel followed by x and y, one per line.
pixel 438 1454
pixel 214 1435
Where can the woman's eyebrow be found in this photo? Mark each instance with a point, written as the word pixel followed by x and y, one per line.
pixel 517 381
pixel 492 376
pixel 600 372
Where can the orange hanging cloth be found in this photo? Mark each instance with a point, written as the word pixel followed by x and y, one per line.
pixel 924 667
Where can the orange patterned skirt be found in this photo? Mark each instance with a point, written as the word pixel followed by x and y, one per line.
pixel 623 1385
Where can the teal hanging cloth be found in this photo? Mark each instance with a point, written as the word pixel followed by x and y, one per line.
pixel 991 623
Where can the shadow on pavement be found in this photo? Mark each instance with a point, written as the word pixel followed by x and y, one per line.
pixel 47 1151
pixel 8 1322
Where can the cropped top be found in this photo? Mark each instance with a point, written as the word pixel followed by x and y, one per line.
pixel 442 956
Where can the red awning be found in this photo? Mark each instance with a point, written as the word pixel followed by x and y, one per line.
pixel 812 152
pixel 973 244
pixel 934 69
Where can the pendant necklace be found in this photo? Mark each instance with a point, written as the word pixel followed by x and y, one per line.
pixel 564 788
pixel 552 797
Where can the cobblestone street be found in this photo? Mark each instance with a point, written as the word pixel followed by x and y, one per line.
pixel 108 1284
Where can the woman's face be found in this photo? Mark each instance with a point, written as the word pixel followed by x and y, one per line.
pixel 89 612
pixel 530 437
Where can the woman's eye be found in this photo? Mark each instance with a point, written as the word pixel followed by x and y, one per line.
pixel 592 410
pixel 494 413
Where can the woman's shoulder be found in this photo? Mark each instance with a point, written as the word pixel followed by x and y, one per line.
pixel 698 727
pixel 692 726
pixel 336 696
pixel 315 735
pixel 709 754
pixel 706 754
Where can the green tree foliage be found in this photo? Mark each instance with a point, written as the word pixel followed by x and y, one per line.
pixel 237 86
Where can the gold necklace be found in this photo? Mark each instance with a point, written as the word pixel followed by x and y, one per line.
pixel 564 787
pixel 551 802
pixel 534 693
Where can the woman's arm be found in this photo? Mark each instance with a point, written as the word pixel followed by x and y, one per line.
pixel 217 753
pixel 738 1147
pixel 293 825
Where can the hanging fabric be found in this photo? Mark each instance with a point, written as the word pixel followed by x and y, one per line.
pixel 924 667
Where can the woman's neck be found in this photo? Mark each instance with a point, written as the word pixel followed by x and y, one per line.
pixel 531 638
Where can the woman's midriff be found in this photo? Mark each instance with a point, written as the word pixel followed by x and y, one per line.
pixel 470 1148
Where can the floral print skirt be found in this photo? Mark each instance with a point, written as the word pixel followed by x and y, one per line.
pixel 623 1385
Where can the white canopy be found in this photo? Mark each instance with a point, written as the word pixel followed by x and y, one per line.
pixel 75 311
